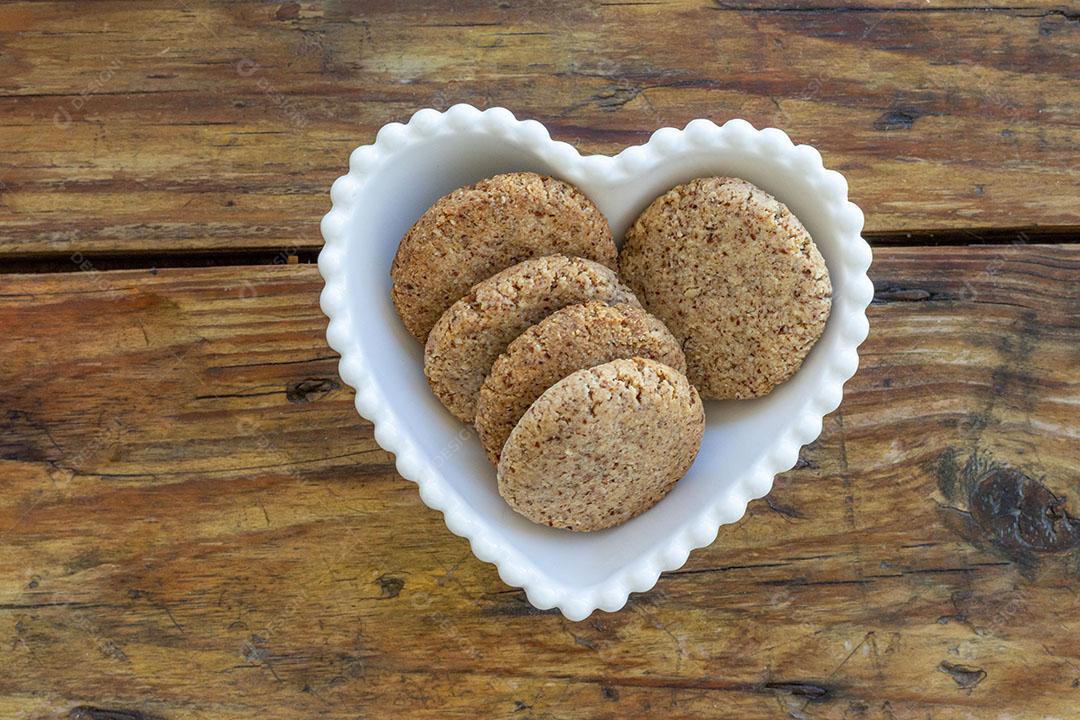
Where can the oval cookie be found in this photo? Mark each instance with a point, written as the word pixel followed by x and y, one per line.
pixel 576 337
pixel 602 445
pixel 477 328
pixel 476 231
pixel 736 278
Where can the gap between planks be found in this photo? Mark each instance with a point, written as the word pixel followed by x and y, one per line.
pixel 75 261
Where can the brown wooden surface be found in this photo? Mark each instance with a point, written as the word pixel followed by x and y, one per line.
pixel 195 523
pixel 206 126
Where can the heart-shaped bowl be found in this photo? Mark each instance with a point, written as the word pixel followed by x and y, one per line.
pixel 392 182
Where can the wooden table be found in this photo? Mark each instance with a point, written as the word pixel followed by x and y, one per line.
pixel 195 523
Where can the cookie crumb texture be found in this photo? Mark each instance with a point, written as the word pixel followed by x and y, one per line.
pixel 469 336
pixel 476 231
pixel 736 278
pixel 602 446
pixel 571 339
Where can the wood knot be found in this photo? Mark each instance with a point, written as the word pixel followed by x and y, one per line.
pixel 990 503
pixel 310 390
pixel 389 587
pixel 966 677
pixel 897 119
pixel 893 293
pixel 1019 513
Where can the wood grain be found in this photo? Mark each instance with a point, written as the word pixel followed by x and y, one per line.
pixel 131 127
pixel 196 524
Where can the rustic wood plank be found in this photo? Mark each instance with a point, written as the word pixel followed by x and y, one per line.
pixel 194 523
pixel 128 127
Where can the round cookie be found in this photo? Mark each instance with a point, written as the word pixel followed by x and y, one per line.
pixel 576 337
pixel 477 328
pixel 602 445
pixel 476 231
pixel 736 278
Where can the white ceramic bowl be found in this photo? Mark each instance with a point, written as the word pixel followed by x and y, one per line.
pixel 389 185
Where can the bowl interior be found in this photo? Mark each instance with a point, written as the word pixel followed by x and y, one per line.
pixel 738 433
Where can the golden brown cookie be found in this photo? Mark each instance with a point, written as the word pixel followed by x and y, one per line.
pixel 476 231
pixel 602 445
pixel 735 277
pixel 576 337
pixel 477 328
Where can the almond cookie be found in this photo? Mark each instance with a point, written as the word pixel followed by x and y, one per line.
pixel 736 277
pixel 476 231
pixel 576 337
pixel 477 328
pixel 602 445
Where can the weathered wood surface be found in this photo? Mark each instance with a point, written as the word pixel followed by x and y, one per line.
pixel 194 523
pixel 138 126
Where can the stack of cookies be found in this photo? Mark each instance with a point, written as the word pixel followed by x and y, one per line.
pixel 584 384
